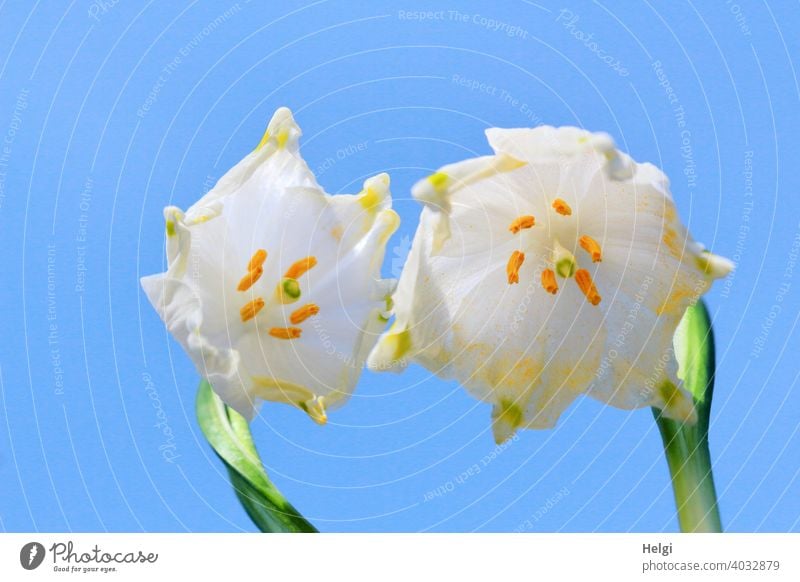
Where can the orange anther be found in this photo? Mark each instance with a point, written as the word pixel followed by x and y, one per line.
pixel 248 280
pixel 584 281
pixel 590 246
pixel 300 267
pixel 285 332
pixel 562 207
pixel 257 260
pixel 549 281
pixel 514 263
pixel 250 310
pixel 303 313
pixel 526 221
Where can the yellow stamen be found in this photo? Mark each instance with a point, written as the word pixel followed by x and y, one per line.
pixel 526 221
pixel 257 260
pixel 549 281
pixel 562 207
pixel 303 313
pixel 300 267
pixel 250 310
pixel 584 281
pixel 285 332
pixel 514 263
pixel 248 280
pixel 590 246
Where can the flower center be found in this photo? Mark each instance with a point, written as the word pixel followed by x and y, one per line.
pixel 287 292
pixel 562 262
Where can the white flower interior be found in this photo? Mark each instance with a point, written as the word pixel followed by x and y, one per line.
pixel 555 267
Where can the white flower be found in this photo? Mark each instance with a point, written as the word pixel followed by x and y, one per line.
pixel 273 285
pixel 554 268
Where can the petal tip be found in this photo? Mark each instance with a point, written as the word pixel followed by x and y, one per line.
pixel 282 131
pixel 315 408
pixel 715 266
pixel 391 351
pixel 507 417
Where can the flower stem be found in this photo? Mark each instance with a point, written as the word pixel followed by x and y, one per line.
pixel 689 460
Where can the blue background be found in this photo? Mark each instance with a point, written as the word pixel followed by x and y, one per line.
pixel 101 127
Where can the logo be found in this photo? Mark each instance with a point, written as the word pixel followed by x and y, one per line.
pixel 31 555
pixel 400 253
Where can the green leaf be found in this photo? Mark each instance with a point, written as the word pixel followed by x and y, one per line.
pixel 229 434
pixel 694 350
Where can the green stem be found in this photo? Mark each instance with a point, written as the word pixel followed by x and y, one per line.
pixel 689 460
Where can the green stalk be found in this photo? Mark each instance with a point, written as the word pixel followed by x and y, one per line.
pixel 686 446
pixel 689 463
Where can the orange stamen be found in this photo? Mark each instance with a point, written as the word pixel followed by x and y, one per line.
pixel 562 207
pixel 526 221
pixel 248 280
pixel 258 260
pixel 549 281
pixel 300 267
pixel 590 246
pixel 250 310
pixel 285 332
pixel 584 281
pixel 300 315
pixel 514 263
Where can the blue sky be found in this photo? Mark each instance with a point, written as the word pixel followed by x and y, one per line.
pixel 109 111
